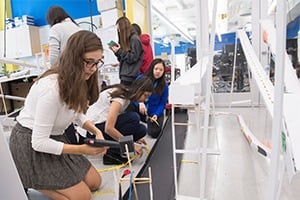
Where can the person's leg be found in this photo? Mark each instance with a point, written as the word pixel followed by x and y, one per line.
pixel 134 107
pixel 79 191
pixel 82 190
pixel 93 179
pixel 129 124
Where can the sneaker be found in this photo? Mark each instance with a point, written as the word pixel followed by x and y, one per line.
pixel 113 159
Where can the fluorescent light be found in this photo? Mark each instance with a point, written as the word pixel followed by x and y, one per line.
pixel 171 25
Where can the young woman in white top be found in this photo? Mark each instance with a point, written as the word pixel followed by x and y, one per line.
pixel 62 26
pixel 43 157
pixel 109 115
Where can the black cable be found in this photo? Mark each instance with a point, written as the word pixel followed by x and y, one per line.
pixel 89 23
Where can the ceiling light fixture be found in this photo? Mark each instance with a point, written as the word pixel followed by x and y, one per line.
pixel 171 25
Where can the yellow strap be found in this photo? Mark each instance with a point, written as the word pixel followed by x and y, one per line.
pixel 115 167
pixel 102 192
pixel 190 161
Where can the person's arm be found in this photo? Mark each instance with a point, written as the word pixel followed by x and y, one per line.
pixel 163 101
pixel 54 47
pixel 82 149
pixel 142 108
pixel 111 120
pixel 86 149
pixel 110 123
pixel 135 53
pixel 47 109
pixel 90 127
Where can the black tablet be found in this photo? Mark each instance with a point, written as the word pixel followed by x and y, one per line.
pixel 101 143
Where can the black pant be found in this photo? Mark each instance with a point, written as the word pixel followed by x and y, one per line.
pixel 152 128
pixel 72 135
pixel 127 123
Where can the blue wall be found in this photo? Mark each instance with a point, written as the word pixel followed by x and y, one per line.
pixel 38 8
pixel 228 38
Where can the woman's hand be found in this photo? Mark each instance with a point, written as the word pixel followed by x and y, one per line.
pixel 153 118
pixel 142 141
pixel 99 135
pixel 142 109
pixel 115 48
pixel 90 150
pixel 138 149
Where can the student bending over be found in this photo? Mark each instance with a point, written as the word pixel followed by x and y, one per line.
pixel 109 115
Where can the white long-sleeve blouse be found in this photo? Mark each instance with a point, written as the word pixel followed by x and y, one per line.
pixel 45 114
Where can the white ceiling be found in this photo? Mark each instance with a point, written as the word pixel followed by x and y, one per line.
pixel 182 14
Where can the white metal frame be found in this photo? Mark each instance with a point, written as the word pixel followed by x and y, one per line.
pixel 283 112
pixel 274 189
pixel 195 104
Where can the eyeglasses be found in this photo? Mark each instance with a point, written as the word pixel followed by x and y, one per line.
pixel 91 63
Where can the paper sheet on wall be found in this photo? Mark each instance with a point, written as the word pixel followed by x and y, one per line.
pixel 107 34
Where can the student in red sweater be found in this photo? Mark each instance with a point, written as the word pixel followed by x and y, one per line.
pixel 148 52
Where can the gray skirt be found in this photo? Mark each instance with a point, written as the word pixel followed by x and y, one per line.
pixel 43 171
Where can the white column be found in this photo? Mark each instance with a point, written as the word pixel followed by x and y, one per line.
pixel 274 189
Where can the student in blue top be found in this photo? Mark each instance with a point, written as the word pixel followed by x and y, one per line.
pixel 152 111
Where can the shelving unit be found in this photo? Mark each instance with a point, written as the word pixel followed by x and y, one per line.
pixel 23 41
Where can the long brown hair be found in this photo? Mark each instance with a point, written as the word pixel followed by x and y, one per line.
pixel 56 14
pixel 124 32
pixel 134 91
pixel 74 90
pixel 160 82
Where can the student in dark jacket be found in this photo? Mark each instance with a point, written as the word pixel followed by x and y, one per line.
pixel 148 52
pixel 152 111
pixel 129 51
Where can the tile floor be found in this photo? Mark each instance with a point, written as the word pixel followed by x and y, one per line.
pixel 238 172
